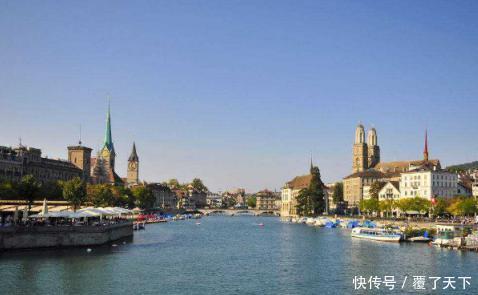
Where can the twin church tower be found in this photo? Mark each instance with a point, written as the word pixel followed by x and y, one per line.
pixel 101 169
pixel 366 154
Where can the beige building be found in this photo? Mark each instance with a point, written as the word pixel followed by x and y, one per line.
pixel 20 161
pixel 367 172
pixel 266 200
pixel 290 192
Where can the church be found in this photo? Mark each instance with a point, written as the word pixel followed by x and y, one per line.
pixel 367 168
pixel 101 169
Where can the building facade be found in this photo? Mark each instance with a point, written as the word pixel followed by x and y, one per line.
pixel 428 183
pixel 367 172
pixel 266 200
pixel 18 162
pixel 164 197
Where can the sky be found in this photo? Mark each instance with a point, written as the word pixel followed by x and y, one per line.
pixel 241 93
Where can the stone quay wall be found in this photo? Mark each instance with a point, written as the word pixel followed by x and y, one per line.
pixel 62 236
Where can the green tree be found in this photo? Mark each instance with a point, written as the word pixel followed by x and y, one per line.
pixel 387 206
pixel 199 185
pixel 460 206
pixel 369 205
pixel 338 194
pixel 74 191
pixel 144 197
pixel 440 207
pixel 8 190
pixel 375 189
pixel 100 195
pixel 29 189
pixel 173 183
pixel 417 204
pixel 468 207
pixel 251 202
pixel 123 197
pixel 52 190
pixel 311 200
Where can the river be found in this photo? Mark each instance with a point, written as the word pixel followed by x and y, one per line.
pixel 234 255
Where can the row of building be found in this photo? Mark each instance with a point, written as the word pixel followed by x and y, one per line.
pixel 100 169
pixel 399 179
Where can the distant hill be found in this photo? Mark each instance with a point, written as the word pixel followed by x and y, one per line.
pixel 463 167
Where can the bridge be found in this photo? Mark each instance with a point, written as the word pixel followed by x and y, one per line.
pixel 239 212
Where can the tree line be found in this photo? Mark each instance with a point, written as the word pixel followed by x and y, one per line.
pixel 77 193
pixel 456 206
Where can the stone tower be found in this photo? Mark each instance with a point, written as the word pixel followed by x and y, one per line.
pixel 133 167
pixel 373 148
pixel 80 156
pixel 360 151
pixel 108 151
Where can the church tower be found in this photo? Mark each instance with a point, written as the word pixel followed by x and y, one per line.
pixel 108 151
pixel 360 151
pixel 373 148
pixel 80 157
pixel 133 167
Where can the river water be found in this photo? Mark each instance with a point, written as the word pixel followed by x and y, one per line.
pixel 234 255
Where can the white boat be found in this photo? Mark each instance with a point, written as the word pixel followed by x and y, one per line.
pixel 376 234
pixel 310 221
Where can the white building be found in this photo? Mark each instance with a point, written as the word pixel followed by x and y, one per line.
pixel 475 189
pixel 390 191
pixel 428 183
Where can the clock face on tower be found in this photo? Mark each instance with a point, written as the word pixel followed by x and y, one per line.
pixel 132 165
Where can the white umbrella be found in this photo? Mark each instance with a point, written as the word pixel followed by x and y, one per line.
pixel 15 215
pixel 25 214
pixel 44 210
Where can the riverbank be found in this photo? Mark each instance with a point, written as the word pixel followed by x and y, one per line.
pixel 22 237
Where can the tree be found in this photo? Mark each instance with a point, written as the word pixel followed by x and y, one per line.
pixel 375 189
pixel 123 197
pixel 311 200
pixel 199 185
pixel 144 197
pixel 387 206
pixel 417 204
pixel 440 207
pixel 28 189
pixel 74 191
pixel 369 205
pixel 52 190
pixel 8 191
pixel 100 195
pixel 251 201
pixel 460 206
pixel 173 183
pixel 338 194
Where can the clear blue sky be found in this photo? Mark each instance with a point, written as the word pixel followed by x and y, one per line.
pixel 239 93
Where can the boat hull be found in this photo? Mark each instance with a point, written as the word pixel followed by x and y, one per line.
pixel 393 239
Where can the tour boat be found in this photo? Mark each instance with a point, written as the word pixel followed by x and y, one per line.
pixel 376 234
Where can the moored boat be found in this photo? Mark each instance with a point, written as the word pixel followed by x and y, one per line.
pixel 376 234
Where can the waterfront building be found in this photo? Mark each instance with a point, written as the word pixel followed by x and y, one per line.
pixel 291 190
pixel 428 183
pixel 214 200
pixel 165 198
pixel 366 172
pixel 20 161
pixel 197 198
pixel 11 166
pixel 266 200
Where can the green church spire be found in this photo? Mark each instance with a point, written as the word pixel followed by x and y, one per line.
pixel 108 143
